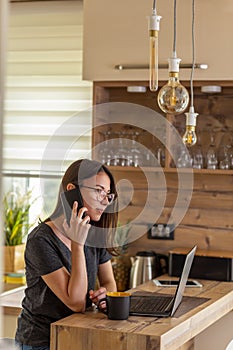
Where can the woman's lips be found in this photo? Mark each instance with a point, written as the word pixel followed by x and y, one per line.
pixel 100 211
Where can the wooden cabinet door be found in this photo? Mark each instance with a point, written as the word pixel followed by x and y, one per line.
pixel 116 32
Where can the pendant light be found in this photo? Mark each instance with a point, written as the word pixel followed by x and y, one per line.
pixel 154 22
pixel 173 98
pixel 190 137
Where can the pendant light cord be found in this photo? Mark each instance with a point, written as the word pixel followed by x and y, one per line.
pixel 154 5
pixel 193 53
pixel 174 34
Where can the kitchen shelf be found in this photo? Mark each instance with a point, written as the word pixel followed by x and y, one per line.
pixel 215 113
pixel 172 170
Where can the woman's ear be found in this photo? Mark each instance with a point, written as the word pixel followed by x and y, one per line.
pixel 70 187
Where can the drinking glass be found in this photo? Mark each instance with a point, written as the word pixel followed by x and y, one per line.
pixel 197 154
pixel 225 150
pixel 105 151
pixel 135 150
pixel 160 153
pixel 224 158
pixel 230 155
pixel 211 154
pixel 184 158
pixel 120 150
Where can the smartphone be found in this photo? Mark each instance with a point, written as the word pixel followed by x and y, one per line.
pixel 68 198
pixel 174 283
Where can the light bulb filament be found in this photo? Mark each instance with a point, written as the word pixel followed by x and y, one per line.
pixel 153 60
pixel 190 138
pixel 154 21
pixel 173 98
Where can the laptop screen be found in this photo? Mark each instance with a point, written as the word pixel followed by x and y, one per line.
pixel 183 279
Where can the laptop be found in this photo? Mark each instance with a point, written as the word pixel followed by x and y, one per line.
pixel 159 305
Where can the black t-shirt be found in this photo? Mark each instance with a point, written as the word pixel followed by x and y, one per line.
pixel 46 253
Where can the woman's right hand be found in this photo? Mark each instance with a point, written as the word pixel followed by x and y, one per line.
pixel 79 225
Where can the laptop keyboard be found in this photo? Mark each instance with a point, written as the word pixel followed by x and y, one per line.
pixel 150 304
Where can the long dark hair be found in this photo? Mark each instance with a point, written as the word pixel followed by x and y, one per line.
pixel 76 173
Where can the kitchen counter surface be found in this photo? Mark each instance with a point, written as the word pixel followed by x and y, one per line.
pixel 11 298
pixel 200 308
pixel 93 330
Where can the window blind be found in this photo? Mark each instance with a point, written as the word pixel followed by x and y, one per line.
pixel 46 97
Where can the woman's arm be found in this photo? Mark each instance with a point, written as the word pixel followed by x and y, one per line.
pixel 106 280
pixel 106 276
pixel 71 288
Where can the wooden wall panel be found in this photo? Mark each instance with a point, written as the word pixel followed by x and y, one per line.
pixel 209 200
pixel 208 221
pixel 187 236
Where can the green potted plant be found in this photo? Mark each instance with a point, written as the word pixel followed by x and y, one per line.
pixel 16 224
pixel 121 263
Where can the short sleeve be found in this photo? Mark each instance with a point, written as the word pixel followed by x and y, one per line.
pixel 104 256
pixel 42 256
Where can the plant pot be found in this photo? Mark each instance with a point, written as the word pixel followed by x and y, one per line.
pixel 14 258
pixel 121 266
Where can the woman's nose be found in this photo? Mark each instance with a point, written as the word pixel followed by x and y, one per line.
pixel 105 200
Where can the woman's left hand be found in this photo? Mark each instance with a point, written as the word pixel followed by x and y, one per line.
pixel 96 295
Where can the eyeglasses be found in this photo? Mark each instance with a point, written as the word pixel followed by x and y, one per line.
pixel 101 194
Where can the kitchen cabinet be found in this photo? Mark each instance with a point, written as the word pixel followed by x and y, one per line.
pixel 116 32
pixel 202 198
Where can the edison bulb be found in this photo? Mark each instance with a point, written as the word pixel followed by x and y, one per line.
pixel 154 21
pixel 153 60
pixel 190 137
pixel 173 98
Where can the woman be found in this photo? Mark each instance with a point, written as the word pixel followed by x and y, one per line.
pixel 61 268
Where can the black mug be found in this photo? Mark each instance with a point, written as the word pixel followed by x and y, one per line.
pixel 118 305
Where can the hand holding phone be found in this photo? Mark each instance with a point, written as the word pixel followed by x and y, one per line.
pixel 77 232
pixel 68 198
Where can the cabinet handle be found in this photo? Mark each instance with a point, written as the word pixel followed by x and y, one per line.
pixel 162 66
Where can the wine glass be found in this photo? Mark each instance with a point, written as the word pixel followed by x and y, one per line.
pixel 119 150
pixel 136 153
pixel 225 150
pixel 197 155
pixel 105 151
pixel 184 159
pixel 160 153
pixel 224 157
pixel 211 154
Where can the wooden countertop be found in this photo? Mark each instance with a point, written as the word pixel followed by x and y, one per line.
pixel 92 330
